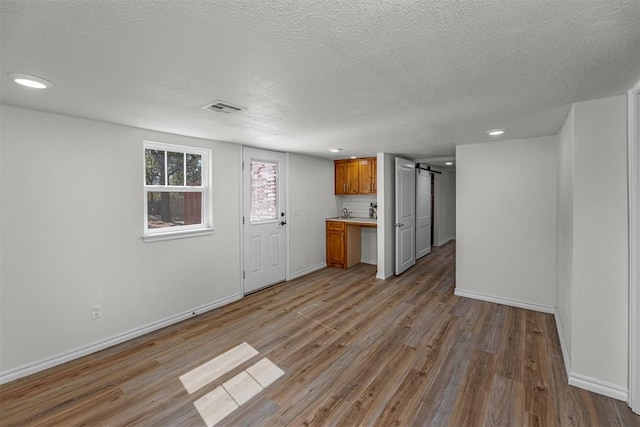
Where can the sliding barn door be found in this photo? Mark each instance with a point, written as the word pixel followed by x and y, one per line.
pixel 423 213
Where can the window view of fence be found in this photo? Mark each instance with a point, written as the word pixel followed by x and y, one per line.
pixel 169 209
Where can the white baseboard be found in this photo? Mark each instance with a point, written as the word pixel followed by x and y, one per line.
pixel 563 344
pixel 583 381
pixel 369 261
pixel 575 379
pixel 444 241
pixel 49 362
pixel 384 276
pixel 505 301
pixel 598 386
pixel 306 271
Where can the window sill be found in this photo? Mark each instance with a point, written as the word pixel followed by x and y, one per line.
pixel 172 235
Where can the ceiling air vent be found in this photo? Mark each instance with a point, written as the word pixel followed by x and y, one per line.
pixel 222 107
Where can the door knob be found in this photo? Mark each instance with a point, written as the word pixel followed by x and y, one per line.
pixel 283 222
pixel 399 225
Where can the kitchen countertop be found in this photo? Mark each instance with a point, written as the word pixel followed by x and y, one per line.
pixel 371 222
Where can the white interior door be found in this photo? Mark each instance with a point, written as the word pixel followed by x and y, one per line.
pixel 264 219
pixel 405 214
pixel 423 213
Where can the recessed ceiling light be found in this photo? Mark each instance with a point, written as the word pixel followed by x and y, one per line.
pixel 448 163
pixel 495 132
pixel 30 81
pixel 335 150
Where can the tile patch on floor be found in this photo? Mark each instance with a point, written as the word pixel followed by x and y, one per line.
pixel 242 387
pixel 265 372
pixel 197 378
pixel 214 406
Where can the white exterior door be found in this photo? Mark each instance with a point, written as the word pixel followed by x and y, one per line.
pixel 405 214
pixel 264 178
pixel 423 213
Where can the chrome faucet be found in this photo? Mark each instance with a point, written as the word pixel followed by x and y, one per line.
pixel 345 213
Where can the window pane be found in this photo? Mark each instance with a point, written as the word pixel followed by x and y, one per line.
pixel 169 209
pixel 264 190
pixel 175 168
pixel 154 167
pixel 194 169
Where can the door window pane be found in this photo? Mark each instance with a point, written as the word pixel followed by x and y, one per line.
pixel 264 190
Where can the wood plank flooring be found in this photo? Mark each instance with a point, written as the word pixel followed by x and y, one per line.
pixel 354 351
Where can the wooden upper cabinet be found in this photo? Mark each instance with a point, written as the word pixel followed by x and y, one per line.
pixel 374 174
pixel 367 174
pixel 341 167
pixel 353 178
pixel 346 177
pixel 356 176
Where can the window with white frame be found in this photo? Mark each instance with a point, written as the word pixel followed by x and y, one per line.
pixel 176 190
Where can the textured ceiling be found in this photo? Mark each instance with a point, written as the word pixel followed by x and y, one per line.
pixel 407 77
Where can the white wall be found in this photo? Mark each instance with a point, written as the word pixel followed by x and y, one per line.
pixel 72 217
pixel 386 215
pixel 445 207
pixel 506 221
pixel 564 245
pixel 311 201
pixel 600 252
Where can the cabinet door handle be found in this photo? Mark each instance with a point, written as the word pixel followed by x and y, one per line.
pixel 344 188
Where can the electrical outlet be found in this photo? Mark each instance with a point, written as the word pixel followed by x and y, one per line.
pixel 96 312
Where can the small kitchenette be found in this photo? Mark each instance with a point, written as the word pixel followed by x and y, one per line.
pixel 351 236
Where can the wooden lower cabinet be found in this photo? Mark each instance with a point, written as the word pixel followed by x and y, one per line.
pixel 336 248
pixel 343 244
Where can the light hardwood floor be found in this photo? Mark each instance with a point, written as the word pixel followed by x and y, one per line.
pixel 354 351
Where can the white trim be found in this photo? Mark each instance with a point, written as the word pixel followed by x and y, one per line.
pixel 369 261
pixel 241 207
pixel 505 301
pixel 181 234
pixel 563 343
pixel 444 241
pixel 598 386
pixel 59 359
pixel 578 380
pixel 583 381
pixel 634 250
pixel 287 234
pixel 384 276
pixel 306 271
